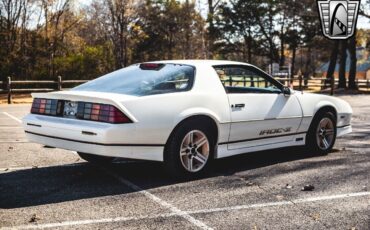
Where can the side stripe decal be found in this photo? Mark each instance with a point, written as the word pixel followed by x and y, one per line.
pixel 259 138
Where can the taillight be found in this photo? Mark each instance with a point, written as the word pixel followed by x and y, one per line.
pixel 85 110
pixel 45 106
pixel 100 112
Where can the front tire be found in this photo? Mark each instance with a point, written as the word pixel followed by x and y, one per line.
pixel 95 159
pixel 322 134
pixel 189 150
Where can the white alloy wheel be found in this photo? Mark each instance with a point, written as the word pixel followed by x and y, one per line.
pixel 325 133
pixel 194 151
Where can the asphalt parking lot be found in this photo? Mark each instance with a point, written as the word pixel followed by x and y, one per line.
pixel 43 187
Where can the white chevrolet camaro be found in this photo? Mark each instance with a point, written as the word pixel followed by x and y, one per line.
pixel 184 113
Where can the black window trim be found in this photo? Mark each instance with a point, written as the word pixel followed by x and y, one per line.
pixel 191 82
pixel 189 88
pixel 256 70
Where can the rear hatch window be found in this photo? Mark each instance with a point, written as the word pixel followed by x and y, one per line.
pixel 144 79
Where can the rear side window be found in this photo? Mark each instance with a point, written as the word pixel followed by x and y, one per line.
pixel 144 79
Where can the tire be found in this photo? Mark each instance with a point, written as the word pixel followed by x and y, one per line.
pixel 322 133
pixel 193 160
pixel 95 159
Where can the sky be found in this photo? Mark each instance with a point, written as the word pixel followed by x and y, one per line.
pixel 363 23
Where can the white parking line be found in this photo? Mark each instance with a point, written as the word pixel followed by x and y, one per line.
pixel 158 200
pixel 281 203
pixel 17 141
pixel 203 211
pixel 86 222
pixel 13 117
pixel 9 169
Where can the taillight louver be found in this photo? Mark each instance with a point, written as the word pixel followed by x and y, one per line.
pixel 45 106
pixel 101 112
pixel 85 111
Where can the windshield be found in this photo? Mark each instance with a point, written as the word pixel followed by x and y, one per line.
pixel 143 79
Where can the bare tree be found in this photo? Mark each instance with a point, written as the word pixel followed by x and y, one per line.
pixel 56 23
pixel 13 16
pixel 12 11
pixel 121 14
pixel 363 11
pixel 211 35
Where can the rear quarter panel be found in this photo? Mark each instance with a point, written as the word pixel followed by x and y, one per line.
pixel 158 115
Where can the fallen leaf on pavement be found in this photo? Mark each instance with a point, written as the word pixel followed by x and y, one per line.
pixel 308 187
pixel 315 216
pixel 249 183
pixel 34 218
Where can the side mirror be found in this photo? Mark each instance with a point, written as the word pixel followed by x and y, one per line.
pixel 286 91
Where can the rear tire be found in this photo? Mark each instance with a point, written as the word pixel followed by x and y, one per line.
pixel 189 150
pixel 322 133
pixel 95 159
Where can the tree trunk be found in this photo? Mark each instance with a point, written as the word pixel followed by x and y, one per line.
pixel 353 63
pixel 307 66
pixel 170 45
pixel 282 44
pixel 249 48
pixel 292 67
pixel 244 49
pixel 282 55
pixel 125 61
pixel 332 62
pixel 211 29
pixel 188 31
pixel 342 65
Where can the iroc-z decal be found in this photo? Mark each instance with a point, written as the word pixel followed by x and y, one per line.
pixel 275 131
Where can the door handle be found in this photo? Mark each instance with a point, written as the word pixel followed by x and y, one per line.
pixel 239 105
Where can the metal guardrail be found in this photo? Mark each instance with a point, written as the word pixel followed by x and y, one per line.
pixel 302 83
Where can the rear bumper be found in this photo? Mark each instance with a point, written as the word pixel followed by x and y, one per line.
pixel 343 130
pixel 90 137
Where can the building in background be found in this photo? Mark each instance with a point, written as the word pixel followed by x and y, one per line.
pixel 363 65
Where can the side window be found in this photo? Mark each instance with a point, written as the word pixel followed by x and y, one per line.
pixel 244 80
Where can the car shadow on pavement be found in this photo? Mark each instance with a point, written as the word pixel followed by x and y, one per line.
pixel 57 184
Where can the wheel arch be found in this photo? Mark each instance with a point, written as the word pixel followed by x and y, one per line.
pixel 310 137
pixel 320 110
pixel 325 107
pixel 172 162
pixel 206 118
